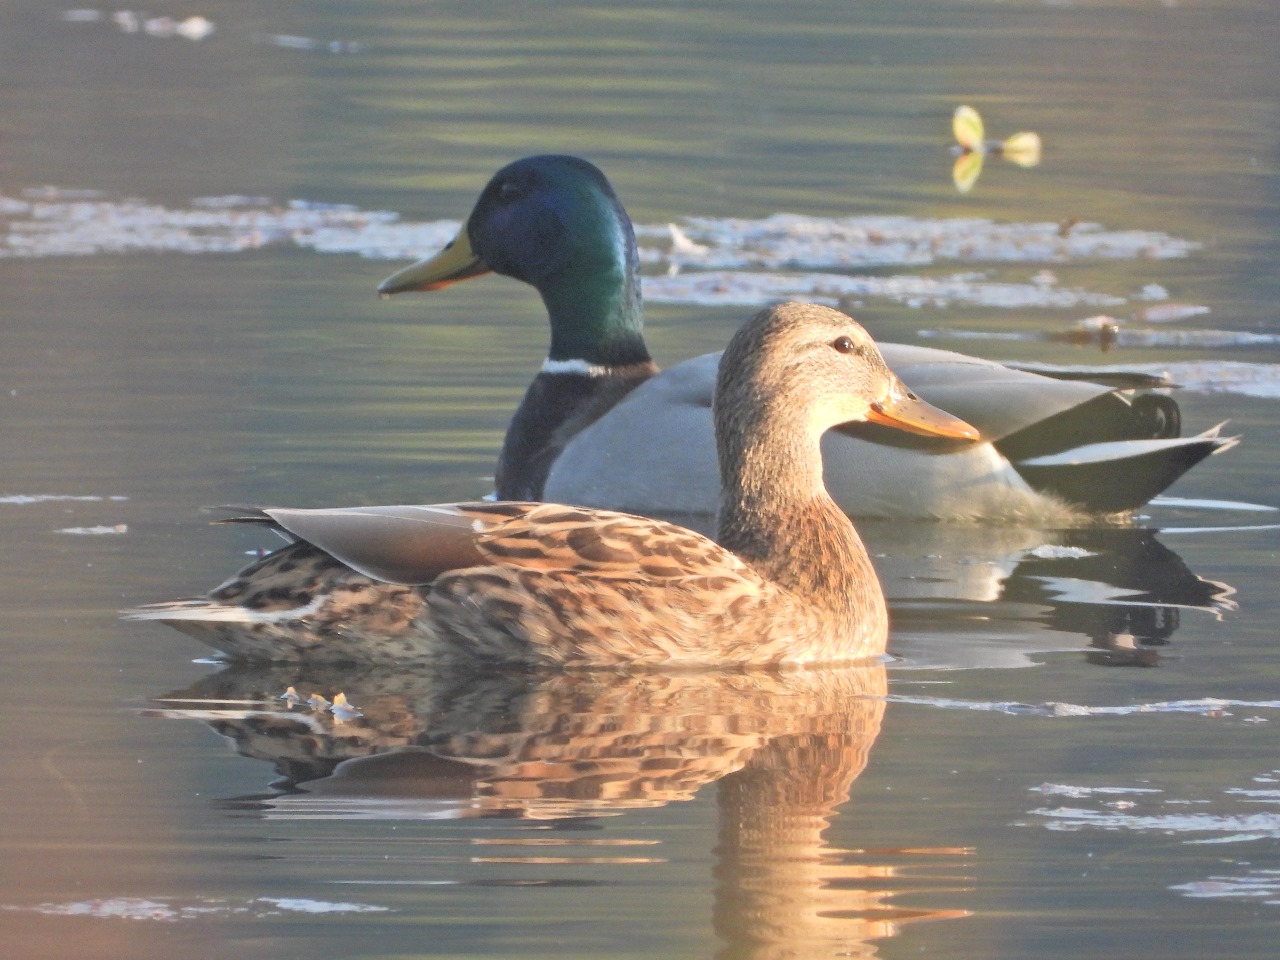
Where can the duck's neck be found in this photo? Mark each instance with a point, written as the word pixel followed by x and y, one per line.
pixel 561 402
pixel 775 513
pixel 594 306
pixel 597 356
pixel 595 326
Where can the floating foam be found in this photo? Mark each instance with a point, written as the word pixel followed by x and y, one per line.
pixel 1205 706
pixel 706 260
pixel 28 498
pixel 167 910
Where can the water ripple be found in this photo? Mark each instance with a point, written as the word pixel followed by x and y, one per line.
pixel 1204 706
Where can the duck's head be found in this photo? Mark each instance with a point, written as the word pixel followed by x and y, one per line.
pixel 553 222
pixel 799 359
pixel 536 219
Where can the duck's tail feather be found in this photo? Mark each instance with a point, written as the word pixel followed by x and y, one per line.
pixel 1122 475
pixel 1115 377
pixel 236 632
pixel 198 610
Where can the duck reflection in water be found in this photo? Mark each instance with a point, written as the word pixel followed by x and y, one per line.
pixel 783 749
pixel 966 596
pixel 1122 588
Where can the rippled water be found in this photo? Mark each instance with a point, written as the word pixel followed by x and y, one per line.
pixel 1072 752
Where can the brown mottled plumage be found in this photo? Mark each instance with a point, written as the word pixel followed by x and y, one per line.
pixel 543 584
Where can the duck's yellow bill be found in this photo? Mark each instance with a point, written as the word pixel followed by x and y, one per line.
pixel 903 410
pixel 456 262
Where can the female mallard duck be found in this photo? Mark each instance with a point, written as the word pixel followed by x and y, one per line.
pixel 598 427
pixel 786 582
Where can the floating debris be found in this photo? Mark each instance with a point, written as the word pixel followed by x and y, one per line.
pixel 197 28
pixel 681 245
pixel 972 148
pixel 707 260
pixel 795 241
pixel 1168 312
pixel 168 910
pixel 193 28
pixel 286 41
pixel 1237 828
pixel 28 498
pixel 737 288
pixel 230 201
pixel 53 194
pixel 1102 330
pixel 292 697
pixel 318 702
pixel 1261 380
pixel 57 221
pixel 1253 884
pixel 102 529
pixel 130 21
pixel 1205 707
pixel 1223 822
pixel 1107 336
pixel 1079 793
pixel 308 905
pixel 1048 551
pixel 1194 339
pixel 342 710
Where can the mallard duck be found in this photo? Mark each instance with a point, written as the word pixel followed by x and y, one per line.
pixel 600 427
pixel 786 581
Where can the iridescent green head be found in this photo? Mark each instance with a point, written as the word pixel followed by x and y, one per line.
pixel 555 223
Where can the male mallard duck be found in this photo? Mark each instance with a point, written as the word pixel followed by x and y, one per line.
pixel 787 580
pixel 598 427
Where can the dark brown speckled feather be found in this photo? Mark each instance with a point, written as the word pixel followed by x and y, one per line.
pixel 546 584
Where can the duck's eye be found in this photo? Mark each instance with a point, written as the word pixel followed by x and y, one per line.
pixel 509 190
pixel 843 345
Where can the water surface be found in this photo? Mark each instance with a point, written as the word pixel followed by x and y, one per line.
pixel 1073 751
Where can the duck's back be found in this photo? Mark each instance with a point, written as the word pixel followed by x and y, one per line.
pixel 551 586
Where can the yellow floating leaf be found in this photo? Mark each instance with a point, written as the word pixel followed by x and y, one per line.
pixel 967 126
pixel 1022 149
pixel 965 172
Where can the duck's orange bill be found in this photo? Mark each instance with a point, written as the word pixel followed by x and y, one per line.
pixel 456 262
pixel 903 410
